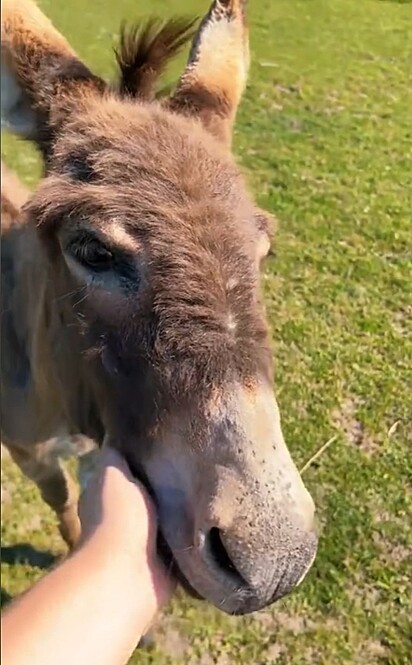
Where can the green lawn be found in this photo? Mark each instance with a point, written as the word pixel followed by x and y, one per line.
pixel 325 135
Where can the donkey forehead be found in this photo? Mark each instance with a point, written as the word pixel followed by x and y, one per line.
pixel 140 165
pixel 115 138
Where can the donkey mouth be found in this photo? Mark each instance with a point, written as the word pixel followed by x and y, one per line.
pixel 173 567
pixel 164 551
pixel 235 596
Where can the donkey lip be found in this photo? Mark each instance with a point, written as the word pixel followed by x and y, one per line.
pixel 169 560
pixel 184 582
pixel 164 551
pixel 171 564
pixel 246 602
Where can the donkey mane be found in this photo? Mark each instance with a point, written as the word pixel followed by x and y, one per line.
pixel 146 49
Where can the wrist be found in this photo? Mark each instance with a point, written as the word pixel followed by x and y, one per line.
pixel 134 567
pixel 114 558
pixel 131 581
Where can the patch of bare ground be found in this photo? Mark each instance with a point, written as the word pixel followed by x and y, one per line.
pixel 312 656
pixel 207 659
pixel 391 552
pixel 204 659
pixel 402 321
pixel 275 653
pixel 363 595
pixel 372 652
pixel 346 420
pixel 174 643
pixel 382 515
pixel 171 639
pixel 281 620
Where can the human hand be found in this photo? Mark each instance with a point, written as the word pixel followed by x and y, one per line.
pixel 119 521
pixel 108 591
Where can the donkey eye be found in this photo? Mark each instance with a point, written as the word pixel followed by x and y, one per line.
pixel 93 255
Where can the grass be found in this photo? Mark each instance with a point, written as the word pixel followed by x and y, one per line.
pixel 325 135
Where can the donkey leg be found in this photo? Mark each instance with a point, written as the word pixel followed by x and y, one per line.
pixel 56 486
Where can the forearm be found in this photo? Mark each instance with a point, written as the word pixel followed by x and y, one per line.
pixel 91 609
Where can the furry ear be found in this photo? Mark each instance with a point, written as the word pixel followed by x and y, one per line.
pixel 214 79
pixel 145 51
pixel 42 77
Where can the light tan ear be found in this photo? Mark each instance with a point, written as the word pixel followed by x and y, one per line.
pixel 42 78
pixel 215 76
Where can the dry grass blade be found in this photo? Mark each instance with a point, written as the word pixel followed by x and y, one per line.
pixel 318 453
pixel 393 428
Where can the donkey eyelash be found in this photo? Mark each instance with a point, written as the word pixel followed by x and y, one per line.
pixel 91 253
pixel 97 257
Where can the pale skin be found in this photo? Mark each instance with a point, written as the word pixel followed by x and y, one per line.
pixel 96 605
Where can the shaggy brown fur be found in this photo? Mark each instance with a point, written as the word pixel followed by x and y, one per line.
pixel 175 334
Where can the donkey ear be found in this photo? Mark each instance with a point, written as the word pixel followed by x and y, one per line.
pixel 42 78
pixel 215 76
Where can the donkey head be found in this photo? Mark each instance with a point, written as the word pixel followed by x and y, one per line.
pixel 153 245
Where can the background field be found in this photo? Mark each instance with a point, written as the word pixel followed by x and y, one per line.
pixel 325 135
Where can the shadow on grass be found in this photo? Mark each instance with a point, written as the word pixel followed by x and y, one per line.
pixel 5 598
pixel 26 554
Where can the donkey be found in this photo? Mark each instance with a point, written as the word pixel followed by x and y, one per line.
pixel 131 306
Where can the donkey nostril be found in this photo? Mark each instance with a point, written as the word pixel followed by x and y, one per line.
pixel 217 552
